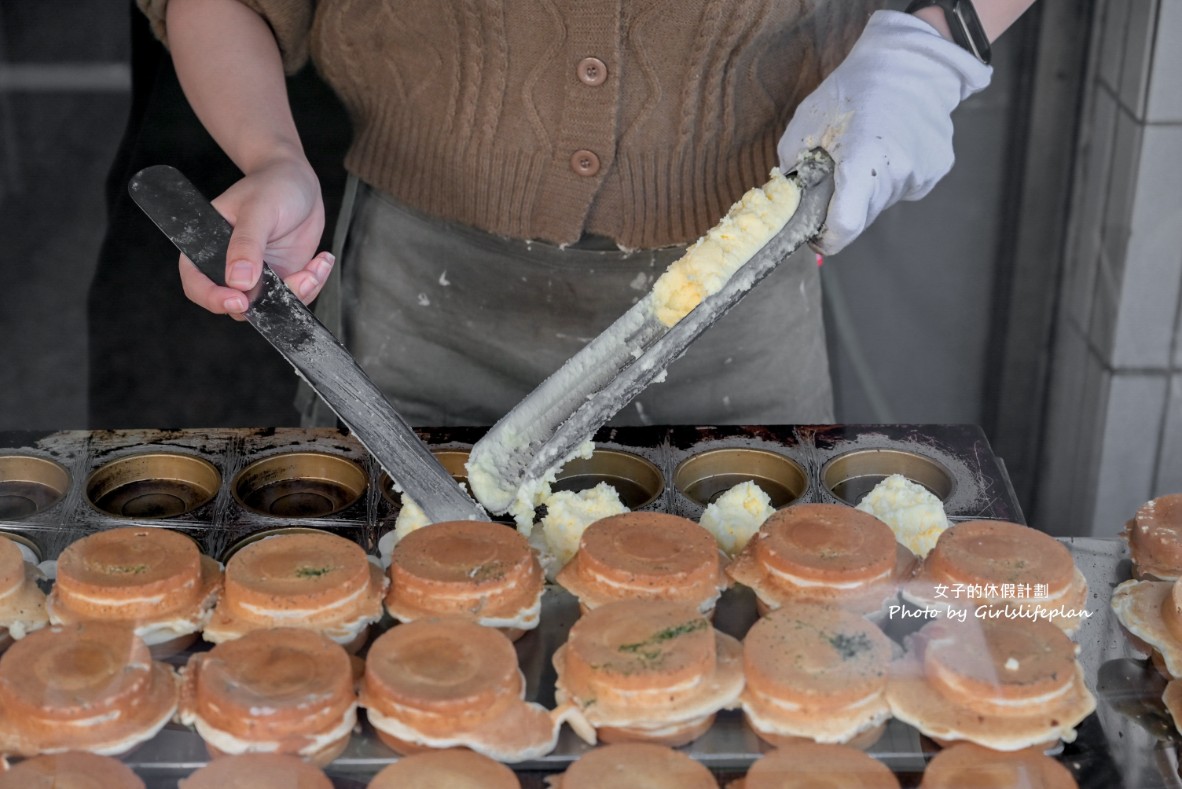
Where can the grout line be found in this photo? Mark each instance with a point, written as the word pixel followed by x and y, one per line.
pixel 1114 94
pixel 98 77
pixel 1103 86
pixel 1106 364
pixel 1143 124
pixel 1152 45
pixel 1101 269
pixel 1122 51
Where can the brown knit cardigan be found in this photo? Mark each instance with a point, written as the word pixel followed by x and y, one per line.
pixel 485 111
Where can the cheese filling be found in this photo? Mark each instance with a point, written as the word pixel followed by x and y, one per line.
pixel 827 729
pixel 472 740
pixel 914 513
pixel 121 746
pixel 153 633
pixel 410 518
pixel 281 615
pixel 708 702
pixel 232 744
pixel 569 513
pixel 735 516
pixel 952 682
pixel 640 590
pixel 713 259
pixel 106 602
pixel 613 583
pixel 796 580
pixel 19 630
pixel 791 706
pixel 666 693
pixel 525 619
pixel 339 632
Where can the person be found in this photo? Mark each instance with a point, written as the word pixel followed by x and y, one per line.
pixel 520 173
pixel 154 358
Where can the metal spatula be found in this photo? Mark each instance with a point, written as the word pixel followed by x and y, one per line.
pixel 203 235
pixel 581 396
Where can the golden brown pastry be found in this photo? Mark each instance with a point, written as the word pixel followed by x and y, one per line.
pixel 646 671
pixel 998 563
pixel 312 581
pixel 806 765
pixel 634 765
pixel 1006 684
pixel 282 690
pixel 257 771
pixel 823 553
pixel 969 766
pixel 455 768
pixel 92 687
pixel 22 603
pixel 645 556
pixel 153 579
pixel 482 571
pixel 70 770
pixel 1154 536
pixel 451 683
pixel 816 672
pixel 1151 613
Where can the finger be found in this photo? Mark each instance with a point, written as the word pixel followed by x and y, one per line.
pixel 244 254
pixel 854 205
pixel 827 244
pixel 308 281
pixel 205 293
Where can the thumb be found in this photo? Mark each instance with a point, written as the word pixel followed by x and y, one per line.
pixel 845 220
pixel 244 256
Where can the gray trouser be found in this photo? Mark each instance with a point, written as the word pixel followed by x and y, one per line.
pixel 456 326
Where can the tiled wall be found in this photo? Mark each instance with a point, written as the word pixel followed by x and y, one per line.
pixel 1114 435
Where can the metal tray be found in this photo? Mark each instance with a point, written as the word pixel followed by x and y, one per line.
pixel 977 482
pixel 1112 749
pixel 1125 743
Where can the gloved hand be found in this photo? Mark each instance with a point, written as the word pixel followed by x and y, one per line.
pixel 884 117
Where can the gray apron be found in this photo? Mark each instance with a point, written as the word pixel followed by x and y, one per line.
pixel 456 326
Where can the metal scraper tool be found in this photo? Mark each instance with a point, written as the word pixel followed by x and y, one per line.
pixel 566 409
pixel 203 235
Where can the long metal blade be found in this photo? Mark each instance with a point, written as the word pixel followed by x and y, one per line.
pixel 202 234
pixel 567 408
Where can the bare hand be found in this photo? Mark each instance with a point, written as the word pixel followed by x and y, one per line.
pixel 278 215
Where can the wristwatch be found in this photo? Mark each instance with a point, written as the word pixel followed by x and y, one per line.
pixel 965 24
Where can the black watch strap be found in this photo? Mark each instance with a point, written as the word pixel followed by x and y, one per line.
pixel 964 23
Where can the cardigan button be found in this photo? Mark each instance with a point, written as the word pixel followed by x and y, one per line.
pixel 584 162
pixel 592 71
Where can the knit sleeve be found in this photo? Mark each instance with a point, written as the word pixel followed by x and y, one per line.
pixel 290 21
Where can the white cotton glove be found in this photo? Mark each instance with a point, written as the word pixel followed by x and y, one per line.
pixel 884 117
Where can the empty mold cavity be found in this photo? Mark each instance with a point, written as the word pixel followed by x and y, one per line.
pixel 153 485
pixel 29 485
pixel 299 485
